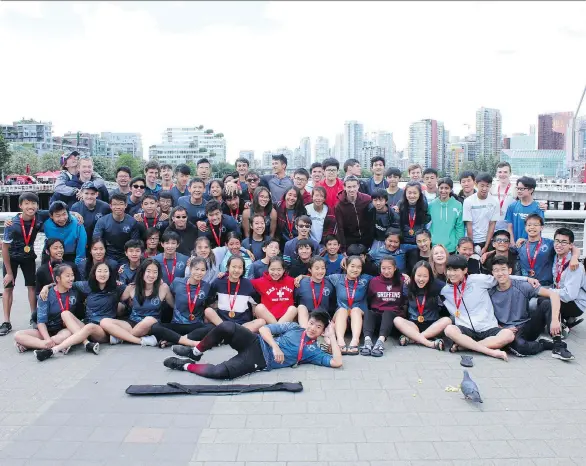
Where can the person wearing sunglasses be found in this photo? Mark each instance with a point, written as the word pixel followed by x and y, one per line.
pixel 137 191
pixel 252 182
pixel 186 230
pixel 501 242
pixel 303 224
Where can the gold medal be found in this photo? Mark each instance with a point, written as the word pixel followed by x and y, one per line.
pixel 420 319
pixel 191 317
pixel 457 313
pixel 232 314
pixel 532 273
pixel 411 232
pixel 27 249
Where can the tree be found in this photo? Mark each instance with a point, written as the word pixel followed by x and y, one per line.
pixel 482 164
pixel 50 161
pixel 105 167
pixel 222 168
pixel 21 157
pixel 135 164
pixel 5 155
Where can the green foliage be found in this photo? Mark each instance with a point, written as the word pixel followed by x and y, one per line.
pixel 50 161
pixel 219 135
pixel 365 173
pixel 482 164
pixel 209 131
pixel 21 156
pixel 5 155
pixel 203 149
pixel 135 164
pixel 222 168
pixel 105 167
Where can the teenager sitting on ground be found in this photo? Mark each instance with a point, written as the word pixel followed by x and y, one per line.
pixel 277 346
pixel 276 293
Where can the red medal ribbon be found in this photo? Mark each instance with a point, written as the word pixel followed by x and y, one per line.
pixel 235 217
pixel 51 271
pixel 291 223
pixel 351 298
pixel 219 235
pixel 233 301
pixel 146 221
pixel 301 345
pixel 66 308
pixel 559 269
pixel 171 274
pixel 532 261
pixel 456 300
pixel 421 306
pixel 191 305
pixel 27 238
pixel 316 303
pixel 498 192
pixel 412 220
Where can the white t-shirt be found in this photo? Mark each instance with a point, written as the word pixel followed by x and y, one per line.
pixel 480 212
pixel 499 194
pixel 317 221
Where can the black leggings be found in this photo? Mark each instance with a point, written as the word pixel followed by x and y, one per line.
pixel 372 319
pixel 249 359
pixel 172 332
pixel 540 318
pixel 570 309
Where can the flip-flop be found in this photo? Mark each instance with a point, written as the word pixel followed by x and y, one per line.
pixel 438 344
pixel 467 361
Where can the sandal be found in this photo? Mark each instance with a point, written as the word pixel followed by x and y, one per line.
pixel 467 361
pixel 366 349
pixel 163 344
pixel 439 344
pixel 19 347
pixel 344 349
pixel 326 348
pixel 351 350
pixel 403 340
pixel 454 348
pixel 378 350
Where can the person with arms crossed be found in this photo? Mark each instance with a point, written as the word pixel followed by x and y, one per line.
pixel 481 212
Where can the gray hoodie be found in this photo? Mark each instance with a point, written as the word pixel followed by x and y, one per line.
pixel 572 285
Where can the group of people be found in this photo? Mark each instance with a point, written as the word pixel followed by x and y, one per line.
pixel 268 264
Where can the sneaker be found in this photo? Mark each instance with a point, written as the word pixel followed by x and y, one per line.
pixel 5 328
pixel 516 353
pixel 115 340
pixel 19 347
pixel 92 347
pixel 186 352
pixel 573 321
pixel 177 364
pixel 43 354
pixel 561 352
pixel 546 344
pixel 149 340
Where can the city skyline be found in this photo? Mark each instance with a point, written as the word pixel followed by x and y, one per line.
pixel 195 63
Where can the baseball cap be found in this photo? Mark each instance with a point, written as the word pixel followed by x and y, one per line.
pixel 65 157
pixel 89 185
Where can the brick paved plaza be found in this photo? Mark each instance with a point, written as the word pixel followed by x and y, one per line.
pixel 72 410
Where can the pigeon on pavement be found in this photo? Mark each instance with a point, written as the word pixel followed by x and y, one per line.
pixel 470 389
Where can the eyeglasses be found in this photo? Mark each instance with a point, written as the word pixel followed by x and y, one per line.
pixel 523 189
pixel 138 186
pixel 297 178
pixel 301 225
pixel 501 240
pixel 331 170
pixel 562 241
pixel 180 216
pixel 252 180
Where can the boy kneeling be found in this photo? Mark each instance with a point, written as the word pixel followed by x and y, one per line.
pixel 293 345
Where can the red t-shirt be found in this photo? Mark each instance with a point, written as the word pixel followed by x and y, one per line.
pixel 307 197
pixel 332 192
pixel 277 296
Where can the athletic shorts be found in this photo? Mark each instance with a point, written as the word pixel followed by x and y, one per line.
pixel 54 330
pixel 477 336
pixel 240 318
pixel 131 322
pixel 247 361
pixel 29 270
pixel 423 326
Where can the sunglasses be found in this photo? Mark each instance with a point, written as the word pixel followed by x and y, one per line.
pixel 180 216
pixel 501 240
pixel 252 180
pixel 303 226
pixel 138 186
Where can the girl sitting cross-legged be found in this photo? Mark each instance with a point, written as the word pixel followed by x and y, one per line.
pixel 424 324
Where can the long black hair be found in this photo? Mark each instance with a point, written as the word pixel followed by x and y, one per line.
pixel 420 208
pixel 93 282
pixel 413 288
pixel 396 278
pixel 139 280
pixel 299 207
pixel 89 262
pixel 256 207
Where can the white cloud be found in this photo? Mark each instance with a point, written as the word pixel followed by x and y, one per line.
pixel 386 64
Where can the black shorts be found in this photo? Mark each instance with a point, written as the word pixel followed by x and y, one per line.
pixel 54 330
pixel 128 321
pixel 247 361
pixel 477 336
pixel 423 326
pixel 240 318
pixel 29 270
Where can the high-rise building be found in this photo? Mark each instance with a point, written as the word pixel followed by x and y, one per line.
pixel 123 143
pixel 353 140
pixel 488 132
pixel 456 155
pixel 385 140
pixel 305 152
pixel 266 159
pixel 38 134
pixel 551 130
pixel 247 154
pixel 427 144
pixel 322 149
pixel 472 150
pixel 182 145
pixel 521 141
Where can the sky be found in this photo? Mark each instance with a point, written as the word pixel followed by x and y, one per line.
pixel 267 74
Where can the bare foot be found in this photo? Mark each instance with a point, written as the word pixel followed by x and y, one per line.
pixel 500 355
